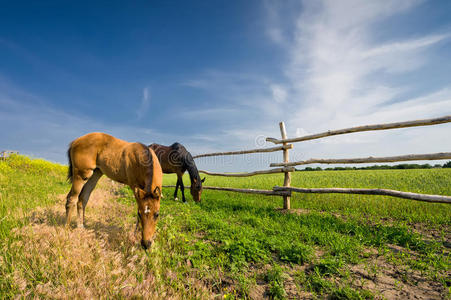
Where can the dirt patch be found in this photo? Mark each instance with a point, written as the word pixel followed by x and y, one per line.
pixel 382 278
pixel 394 281
pixel 297 211
pixel 442 235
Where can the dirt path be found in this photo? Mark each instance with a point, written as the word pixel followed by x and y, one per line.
pixel 101 260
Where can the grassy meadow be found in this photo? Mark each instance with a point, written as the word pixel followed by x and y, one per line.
pixel 230 245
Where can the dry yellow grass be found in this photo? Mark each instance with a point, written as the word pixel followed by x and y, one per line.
pixel 103 260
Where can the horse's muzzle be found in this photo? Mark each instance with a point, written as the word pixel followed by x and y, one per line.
pixel 146 244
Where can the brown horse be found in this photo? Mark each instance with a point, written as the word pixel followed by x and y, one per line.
pixel 176 159
pixel 134 164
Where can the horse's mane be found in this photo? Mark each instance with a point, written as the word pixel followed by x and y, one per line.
pixel 187 162
pixel 149 159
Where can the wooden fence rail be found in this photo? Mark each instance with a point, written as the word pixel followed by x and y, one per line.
pixel 287 167
pixel 425 122
pixel 6 153
pixel 384 192
pixel 270 171
pixel 409 157
pixel 240 152
pixel 238 190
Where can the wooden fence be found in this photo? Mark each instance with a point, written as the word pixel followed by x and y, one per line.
pixel 287 167
pixel 5 153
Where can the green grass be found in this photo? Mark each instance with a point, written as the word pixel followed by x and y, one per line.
pixel 427 181
pixel 24 185
pixel 240 231
pixel 232 242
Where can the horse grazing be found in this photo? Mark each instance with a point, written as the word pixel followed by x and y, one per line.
pixel 176 159
pixel 134 164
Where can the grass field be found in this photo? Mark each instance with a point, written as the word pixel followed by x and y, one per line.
pixel 230 245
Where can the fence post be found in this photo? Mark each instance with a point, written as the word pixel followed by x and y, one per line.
pixel 287 177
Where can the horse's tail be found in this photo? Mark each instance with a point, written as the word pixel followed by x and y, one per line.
pixel 69 171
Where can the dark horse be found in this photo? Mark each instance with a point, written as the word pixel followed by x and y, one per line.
pixel 176 159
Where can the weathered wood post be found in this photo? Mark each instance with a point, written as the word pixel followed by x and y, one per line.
pixel 286 158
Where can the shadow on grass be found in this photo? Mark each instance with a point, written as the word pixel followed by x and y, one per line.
pixel 115 236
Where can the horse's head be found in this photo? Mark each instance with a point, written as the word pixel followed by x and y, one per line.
pixel 148 212
pixel 196 189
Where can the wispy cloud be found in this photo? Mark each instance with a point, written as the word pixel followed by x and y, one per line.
pixel 209 113
pixel 341 73
pixel 345 77
pixel 145 103
pixel 339 68
pixel 279 93
pixel 41 130
pixel 243 98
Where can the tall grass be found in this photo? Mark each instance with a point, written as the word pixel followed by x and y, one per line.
pixel 24 185
pixel 230 245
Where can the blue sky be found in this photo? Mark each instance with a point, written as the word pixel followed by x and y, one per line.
pixel 220 75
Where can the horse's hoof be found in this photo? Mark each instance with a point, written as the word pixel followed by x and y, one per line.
pixel 176 199
pixel 81 226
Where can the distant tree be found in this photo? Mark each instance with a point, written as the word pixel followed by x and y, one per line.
pixel 447 165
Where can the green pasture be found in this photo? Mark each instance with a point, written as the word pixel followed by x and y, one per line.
pixel 234 243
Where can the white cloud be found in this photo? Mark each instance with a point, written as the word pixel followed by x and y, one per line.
pixel 301 132
pixel 145 103
pixel 235 94
pixel 402 46
pixel 279 93
pixel 336 63
pixel 339 73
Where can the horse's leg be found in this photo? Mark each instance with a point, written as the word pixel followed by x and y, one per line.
pixel 83 198
pixel 182 188
pixel 72 197
pixel 176 188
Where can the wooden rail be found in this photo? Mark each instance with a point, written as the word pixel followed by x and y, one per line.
pixel 424 122
pixel 246 191
pixel 270 171
pixel 6 153
pixel 410 157
pixel 260 150
pixel 383 192
pixel 288 167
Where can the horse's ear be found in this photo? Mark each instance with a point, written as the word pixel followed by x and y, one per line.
pixel 157 192
pixel 203 180
pixel 139 193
